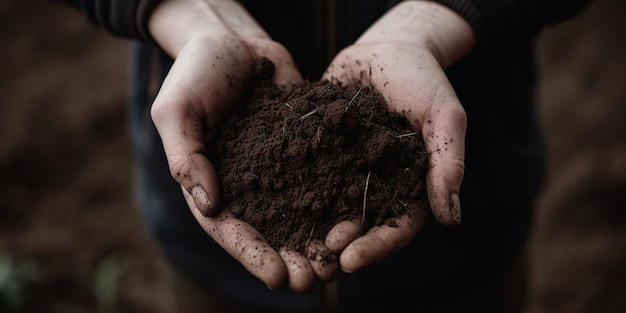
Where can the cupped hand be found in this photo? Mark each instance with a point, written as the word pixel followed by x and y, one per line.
pixel 403 56
pixel 215 44
pixel 275 268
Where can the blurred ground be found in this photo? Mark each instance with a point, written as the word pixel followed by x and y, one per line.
pixel 578 248
pixel 66 204
pixel 66 200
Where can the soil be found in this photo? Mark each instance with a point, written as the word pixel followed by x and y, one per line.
pixel 294 162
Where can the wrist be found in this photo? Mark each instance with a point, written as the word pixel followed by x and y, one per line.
pixel 175 23
pixel 428 24
pixel 446 34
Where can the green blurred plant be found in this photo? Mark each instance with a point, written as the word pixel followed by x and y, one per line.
pixel 101 282
pixel 105 278
pixel 16 276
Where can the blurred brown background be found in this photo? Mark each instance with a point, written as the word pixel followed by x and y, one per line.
pixel 71 240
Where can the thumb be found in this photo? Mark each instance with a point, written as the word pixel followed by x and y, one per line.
pixel 444 137
pixel 189 166
pixel 182 130
pixel 195 95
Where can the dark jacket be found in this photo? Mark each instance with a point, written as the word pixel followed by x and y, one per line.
pixel 496 23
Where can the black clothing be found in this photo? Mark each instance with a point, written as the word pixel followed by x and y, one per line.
pixel 494 22
pixel 128 18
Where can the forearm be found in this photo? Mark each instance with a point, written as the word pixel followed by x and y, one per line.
pixel 427 24
pixel 499 23
pixel 481 25
pixel 174 23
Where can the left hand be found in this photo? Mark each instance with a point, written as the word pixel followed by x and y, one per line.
pixel 403 56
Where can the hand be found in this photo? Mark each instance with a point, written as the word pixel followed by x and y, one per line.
pixel 214 44
pixel 403 56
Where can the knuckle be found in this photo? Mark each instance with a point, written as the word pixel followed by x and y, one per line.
pixel 454 176
pixel 178 169
pixel 458 165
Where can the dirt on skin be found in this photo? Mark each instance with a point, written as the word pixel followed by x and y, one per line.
pixel 294 162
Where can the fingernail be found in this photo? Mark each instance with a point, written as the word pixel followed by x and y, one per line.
pixel 455 207
pixel 202 200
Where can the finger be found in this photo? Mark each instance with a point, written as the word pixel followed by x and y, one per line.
pixel 287 75
pixel 379 243
pixel 285 71
pixel 323 261
pixel 244 243
pixel 301 274
pixel 239 20
pixel 343 234
pixel 197 176
pixel 444 137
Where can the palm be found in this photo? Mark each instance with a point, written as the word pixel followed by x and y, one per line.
pixel 412 82
pixel 204 83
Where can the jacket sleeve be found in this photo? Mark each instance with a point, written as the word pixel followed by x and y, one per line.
pixel 497 22
pixel 127 18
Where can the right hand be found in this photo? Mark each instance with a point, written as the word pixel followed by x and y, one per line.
pixel 214 44
pixel 403 56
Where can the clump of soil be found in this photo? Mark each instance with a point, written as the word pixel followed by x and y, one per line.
pixel 294 162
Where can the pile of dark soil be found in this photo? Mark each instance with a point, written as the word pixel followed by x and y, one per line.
pixel 294 162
